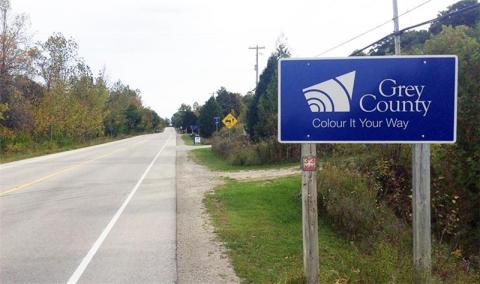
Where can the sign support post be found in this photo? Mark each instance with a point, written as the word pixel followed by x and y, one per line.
pixel 422 245
pixel 310 214
pixel 421 222
pixel 407 100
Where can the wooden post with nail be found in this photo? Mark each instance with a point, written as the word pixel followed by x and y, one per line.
pixel 310 213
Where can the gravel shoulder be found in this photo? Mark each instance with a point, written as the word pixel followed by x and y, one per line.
pixel 201 257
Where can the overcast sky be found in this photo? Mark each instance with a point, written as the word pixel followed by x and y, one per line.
pixel 180 51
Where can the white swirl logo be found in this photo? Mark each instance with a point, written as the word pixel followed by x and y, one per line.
pixel 333 95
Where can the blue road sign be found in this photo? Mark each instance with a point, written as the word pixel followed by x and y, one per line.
pixel 388 99
pixel 216 119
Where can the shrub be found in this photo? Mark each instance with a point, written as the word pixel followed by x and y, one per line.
pixel 348 199
pixel 18 143
pixel 245 156
pixel 234 146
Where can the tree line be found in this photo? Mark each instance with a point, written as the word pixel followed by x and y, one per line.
pixel 455 168
pixel 201 118
pixel 49 95
pixel 256 111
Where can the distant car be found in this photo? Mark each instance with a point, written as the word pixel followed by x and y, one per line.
pixel 158 130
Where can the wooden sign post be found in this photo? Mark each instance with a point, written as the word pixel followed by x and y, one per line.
pixel 422 243
pixel 421 222
pixel 310 214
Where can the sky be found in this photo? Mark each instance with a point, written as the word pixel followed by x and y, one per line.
pixel 180 51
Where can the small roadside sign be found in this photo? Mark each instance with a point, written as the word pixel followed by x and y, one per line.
pixel 229 121
pixel 309 163
pixel 198 140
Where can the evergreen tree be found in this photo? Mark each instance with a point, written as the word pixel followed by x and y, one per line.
pixel 262 111
pixel 207 113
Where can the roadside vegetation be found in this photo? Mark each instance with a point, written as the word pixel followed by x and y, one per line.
pixel 51 101
pixel 47 148
pixel 261 225
pixel 208 158
pixel 365 190
pixel 188 140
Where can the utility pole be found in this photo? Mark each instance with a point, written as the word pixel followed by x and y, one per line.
pixel 396 28
pixel 422 243
pixel 256 62
pixel 4 7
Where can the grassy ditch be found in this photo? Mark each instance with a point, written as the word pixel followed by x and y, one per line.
pixel 187 139
pixel 260 223
pixel 207 157
pixel 47 147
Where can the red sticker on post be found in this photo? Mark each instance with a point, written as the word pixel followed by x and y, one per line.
pixel 309 163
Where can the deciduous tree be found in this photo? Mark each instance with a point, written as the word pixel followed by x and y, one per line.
pixel 468 18
pixel 57 60
pixel 229 101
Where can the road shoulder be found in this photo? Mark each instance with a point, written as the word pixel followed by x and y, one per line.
pixel 201 257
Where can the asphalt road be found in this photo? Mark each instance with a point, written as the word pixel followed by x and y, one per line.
pixel 102 214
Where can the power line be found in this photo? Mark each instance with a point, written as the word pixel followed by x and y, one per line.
pixel 418 25
pixel 374 28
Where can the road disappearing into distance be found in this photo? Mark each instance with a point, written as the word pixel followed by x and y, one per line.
pixel 102 214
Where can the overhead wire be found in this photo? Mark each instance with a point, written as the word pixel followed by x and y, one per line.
pixel 358 51
pixel 374 28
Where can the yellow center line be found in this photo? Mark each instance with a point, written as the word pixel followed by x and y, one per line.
pixel 22 186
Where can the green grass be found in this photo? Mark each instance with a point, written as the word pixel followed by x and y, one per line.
pixel 188 140
pixel 50 148
pixel 260 223
pixel 207 157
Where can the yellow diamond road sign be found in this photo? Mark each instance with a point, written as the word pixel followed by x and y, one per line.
pixel 229 121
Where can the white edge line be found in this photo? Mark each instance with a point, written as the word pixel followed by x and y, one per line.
pixel 91 253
